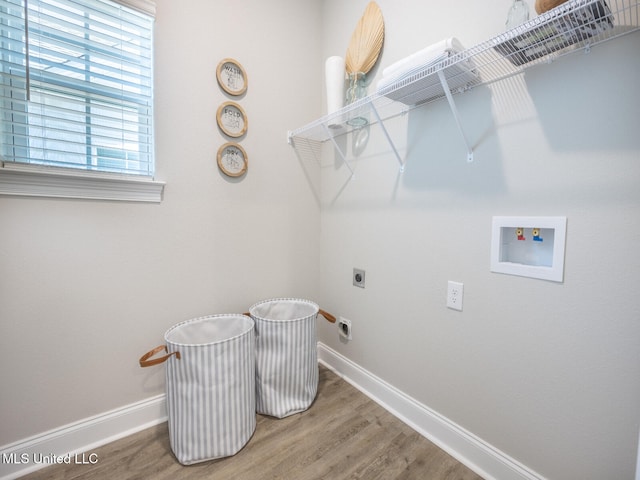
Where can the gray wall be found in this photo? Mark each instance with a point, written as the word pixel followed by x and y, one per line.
pixel 546 372
pixel 87 287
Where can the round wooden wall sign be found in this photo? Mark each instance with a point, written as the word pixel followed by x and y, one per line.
pixel 232 119
pixel 231 77
pixel 232 160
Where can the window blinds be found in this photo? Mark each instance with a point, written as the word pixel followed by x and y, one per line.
pixel 76 87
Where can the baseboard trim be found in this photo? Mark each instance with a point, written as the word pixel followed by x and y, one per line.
pixel 20 458
pixel 484 459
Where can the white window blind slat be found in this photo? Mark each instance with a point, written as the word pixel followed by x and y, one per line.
pixel 115 116
pixel 83 96
pixel 47 41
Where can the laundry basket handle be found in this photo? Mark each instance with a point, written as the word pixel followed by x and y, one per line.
pixel 144 359
pixel 327 315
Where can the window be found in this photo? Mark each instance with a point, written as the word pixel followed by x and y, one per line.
pixel 76 86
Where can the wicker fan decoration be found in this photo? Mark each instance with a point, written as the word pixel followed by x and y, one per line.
pixel 366 41
pixel 546 5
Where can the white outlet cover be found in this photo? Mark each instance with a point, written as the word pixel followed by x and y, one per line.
pixel 455 294
pixel 344 321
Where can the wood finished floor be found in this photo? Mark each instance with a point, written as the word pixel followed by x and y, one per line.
pixel 344 435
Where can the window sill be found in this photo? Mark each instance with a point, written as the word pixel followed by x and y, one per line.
pixel 39 181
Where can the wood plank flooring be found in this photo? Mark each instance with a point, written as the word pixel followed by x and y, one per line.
pixel 344 435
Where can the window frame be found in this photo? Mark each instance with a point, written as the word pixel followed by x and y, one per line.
pixel 23 179
pixel 27 179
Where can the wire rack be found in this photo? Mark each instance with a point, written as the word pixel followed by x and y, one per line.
pixel 574 25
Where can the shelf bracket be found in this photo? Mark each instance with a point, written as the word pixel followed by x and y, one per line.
pixel 386 134
pixel 337 147
pixel 454 110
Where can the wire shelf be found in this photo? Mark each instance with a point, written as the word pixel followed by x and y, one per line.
pixel 573 25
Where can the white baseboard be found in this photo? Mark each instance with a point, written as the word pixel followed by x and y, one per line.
pixel 484 459
pixel 71 441
pixel 638 461
pixel 25 456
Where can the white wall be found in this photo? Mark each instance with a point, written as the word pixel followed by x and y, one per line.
pixel 87 287
pixel 546 372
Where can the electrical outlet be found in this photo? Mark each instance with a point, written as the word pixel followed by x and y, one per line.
pixel 358 277
pixel 455 293
pixel 344 328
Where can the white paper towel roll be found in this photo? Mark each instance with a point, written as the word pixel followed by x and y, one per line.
pixel 334 69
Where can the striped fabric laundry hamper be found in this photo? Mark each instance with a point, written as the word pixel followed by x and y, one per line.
pixel 210 385
pixel 286 355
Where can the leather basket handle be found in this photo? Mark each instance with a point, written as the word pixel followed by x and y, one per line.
pixel 327 315
pixel 144 359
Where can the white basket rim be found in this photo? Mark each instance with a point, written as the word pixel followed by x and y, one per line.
pixel 239 316
pixel 283 299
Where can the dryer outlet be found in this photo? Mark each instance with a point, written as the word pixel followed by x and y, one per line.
pixel 344 328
